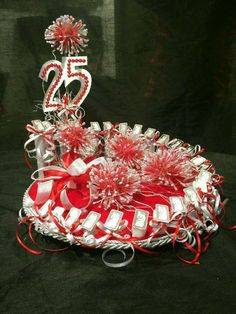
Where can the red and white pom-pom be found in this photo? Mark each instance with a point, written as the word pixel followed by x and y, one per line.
pixel 127 148
pixel 66 36
pixel 168 167
pixel 79 139
pixel 113 184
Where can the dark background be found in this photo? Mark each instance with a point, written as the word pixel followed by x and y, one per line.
pixel 165 64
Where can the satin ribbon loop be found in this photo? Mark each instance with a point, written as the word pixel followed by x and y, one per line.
pixel 42 132
pixel 189 241
pixel 125 262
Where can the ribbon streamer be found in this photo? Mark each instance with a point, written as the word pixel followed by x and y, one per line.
pixel 120 264
pixel 42 136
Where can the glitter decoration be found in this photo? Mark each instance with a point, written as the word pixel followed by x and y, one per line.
pixel 66 36
pixel 168 167
pixel 127 148
pixel 113 184
pixel 81 140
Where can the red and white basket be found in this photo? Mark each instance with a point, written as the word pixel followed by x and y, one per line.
pixel 113 187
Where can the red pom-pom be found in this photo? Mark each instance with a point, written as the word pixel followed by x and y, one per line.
pixel 68 37
pixel 83 141
pixel 113 184
pixel 127 148
pixel 168 167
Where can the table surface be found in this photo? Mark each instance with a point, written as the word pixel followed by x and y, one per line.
pixel 77 281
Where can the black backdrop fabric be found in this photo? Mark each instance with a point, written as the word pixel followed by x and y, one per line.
pixel 166 64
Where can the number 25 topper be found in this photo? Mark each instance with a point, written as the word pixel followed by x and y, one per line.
pixel 66 71
pixel 69 38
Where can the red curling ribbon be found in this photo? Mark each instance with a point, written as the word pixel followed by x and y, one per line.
pixel 206 239
pixel 131 240
pixel 59 226
pixel 33 240
pixel 228 228
pixel 188 246
pixel 200 152
pixel 144 250
pixel 220 180
pixel 27 162
pixel 21 242
pixel 41 247
pixel 74 226
pixel 207 244
pixel 108 237
pixel 219 221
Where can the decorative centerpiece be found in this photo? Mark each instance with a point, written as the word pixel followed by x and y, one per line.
pixel 111 186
